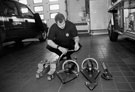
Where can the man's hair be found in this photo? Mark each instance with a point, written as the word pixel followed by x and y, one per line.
pixel 59 17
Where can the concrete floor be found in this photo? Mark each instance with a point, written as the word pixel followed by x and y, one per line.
pixel 19 63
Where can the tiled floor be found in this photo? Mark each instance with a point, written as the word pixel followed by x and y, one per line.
pixel 18 66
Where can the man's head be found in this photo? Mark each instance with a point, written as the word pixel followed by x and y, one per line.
pixel 60 20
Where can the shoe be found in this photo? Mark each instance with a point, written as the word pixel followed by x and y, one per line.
pixel 38 75
pixel 50 77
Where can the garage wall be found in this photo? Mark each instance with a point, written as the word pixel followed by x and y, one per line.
pixel 76 9
pixel 98 14
pixel 76 12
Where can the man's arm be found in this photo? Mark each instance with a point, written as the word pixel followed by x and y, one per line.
pixel 76 39
pixel 52 44
pixel 76 46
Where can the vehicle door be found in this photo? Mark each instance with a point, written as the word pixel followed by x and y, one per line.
pixel 13 23
pixel 29 21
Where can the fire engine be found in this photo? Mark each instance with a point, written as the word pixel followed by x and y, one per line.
pixel 122 21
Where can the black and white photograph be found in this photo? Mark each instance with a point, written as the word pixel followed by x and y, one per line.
pixel 67 45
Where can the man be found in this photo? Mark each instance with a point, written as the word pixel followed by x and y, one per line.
pixel 61 38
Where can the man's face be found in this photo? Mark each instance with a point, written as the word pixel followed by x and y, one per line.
pixel 61 25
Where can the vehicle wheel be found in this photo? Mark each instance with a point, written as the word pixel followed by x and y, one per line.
pixel 112 35
pixel 1 49
pixel 19 43
pixel 2 38
pixel 42 36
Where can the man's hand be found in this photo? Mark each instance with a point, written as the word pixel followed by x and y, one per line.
pixel 76 46
pixel 63 50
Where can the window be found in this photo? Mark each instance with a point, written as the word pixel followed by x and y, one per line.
pixel 38 8
pixel 9 9
pixel 25 11
pixel 129 20
pixel 54 7
pixel 23 1
pixel 42 16
pixel 52 15
pixel 38 1
pixel 53 0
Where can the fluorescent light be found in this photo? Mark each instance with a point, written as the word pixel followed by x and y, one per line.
pixel 54 7
pixel 38 8
pixel 37 1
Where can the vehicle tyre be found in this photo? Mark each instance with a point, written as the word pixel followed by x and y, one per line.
pixel 1 49
pixel 19 43
pixel 2 38
pixel 42 36
pixel 112 34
